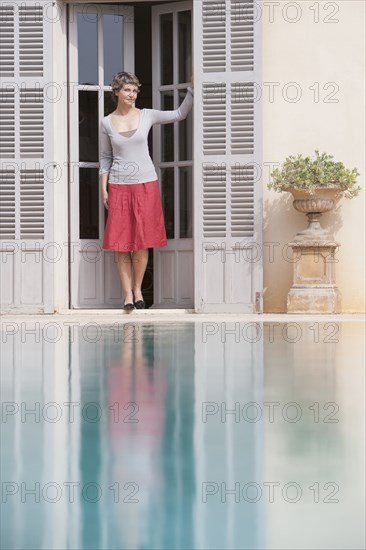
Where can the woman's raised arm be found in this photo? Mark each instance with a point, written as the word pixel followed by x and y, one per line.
pixel 165 117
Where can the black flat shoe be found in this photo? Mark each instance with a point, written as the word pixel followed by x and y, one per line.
pixel 139 304
pixel 128 307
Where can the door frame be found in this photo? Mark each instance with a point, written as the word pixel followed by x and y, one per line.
pixel 77 245
pixel 173 264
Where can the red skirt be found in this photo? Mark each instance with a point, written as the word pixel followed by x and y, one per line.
pixel 135 217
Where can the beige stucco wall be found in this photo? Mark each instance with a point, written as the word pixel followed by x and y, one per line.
pixel 307 52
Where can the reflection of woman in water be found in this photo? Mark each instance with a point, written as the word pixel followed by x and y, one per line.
pixel 136 422
pixel 135 216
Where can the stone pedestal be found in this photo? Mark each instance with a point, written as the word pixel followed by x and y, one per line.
pixel 314 289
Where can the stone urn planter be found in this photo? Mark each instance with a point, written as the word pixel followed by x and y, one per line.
pixel 322 199
pixel 316 186
pixel 314 287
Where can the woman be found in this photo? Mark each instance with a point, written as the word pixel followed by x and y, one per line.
pixel 135 217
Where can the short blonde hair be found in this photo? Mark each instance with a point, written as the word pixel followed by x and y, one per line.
pixel 121 79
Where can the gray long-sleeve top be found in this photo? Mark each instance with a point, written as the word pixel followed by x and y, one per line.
pixel 127 159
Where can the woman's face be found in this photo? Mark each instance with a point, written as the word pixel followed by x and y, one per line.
pixel 127 94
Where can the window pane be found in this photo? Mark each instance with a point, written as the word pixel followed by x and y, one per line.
pixel 88 126
pixel 167 197
pixel 88 203
pixel 113 46
pixel 87 47
pixel 185 133
pixel 185 202
pixel 184 46
pixel 109 105
pixel 166 57
pixel 167 130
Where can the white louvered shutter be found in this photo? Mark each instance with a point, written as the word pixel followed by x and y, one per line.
pixel 228 186
pixel 26 170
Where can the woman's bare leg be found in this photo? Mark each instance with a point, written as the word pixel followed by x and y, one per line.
pixel 139 263
pixel 124 266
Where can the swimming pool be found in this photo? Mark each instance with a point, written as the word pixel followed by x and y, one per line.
pixel 183 435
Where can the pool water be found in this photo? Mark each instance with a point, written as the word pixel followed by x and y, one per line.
pixel 187 435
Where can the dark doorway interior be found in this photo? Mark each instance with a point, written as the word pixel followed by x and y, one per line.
pixel 143 70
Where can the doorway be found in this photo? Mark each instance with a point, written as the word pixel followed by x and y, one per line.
pixel 105 39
